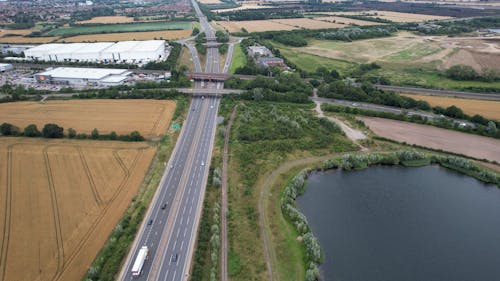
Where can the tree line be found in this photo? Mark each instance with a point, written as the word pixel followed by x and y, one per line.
pixel 54 131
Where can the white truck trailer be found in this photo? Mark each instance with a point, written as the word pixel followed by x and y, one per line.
pixel 142 256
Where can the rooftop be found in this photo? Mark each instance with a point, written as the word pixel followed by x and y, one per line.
pixel 85 73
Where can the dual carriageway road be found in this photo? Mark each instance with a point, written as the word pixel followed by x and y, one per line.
pixel 170 226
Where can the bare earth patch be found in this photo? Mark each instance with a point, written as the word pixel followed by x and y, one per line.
pixel 149 117
pixel 436 138
pixel 60 201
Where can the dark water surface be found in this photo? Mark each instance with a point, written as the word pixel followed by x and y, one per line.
pixel 404 224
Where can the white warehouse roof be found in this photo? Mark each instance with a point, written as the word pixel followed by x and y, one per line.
pixel 83 73
pixel 124 51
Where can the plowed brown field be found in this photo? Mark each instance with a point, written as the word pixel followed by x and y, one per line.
pixel 60 200
pixel 149 117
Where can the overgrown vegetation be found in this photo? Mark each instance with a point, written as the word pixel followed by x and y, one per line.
pixel 264 136
pixel 285 87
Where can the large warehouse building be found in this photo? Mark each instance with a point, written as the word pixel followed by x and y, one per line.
pixel 134 52
pixel 75 76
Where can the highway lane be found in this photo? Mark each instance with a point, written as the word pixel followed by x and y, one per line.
pixel 150 235
pixel 170 225
pixel 183 235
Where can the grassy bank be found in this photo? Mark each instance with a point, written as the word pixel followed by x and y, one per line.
pixel 108 261
pixel 239 58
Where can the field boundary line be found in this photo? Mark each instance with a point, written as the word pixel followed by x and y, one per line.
pixel 86 168
pixel 7 216
pixel 92 227
pixel 55 212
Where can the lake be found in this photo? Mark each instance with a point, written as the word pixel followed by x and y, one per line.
pixel 390 223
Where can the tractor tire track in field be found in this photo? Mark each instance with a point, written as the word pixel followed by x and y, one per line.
pixel 157 121
pixel 86 168
pixel 4 249
pixel 55 212
pixel 106 207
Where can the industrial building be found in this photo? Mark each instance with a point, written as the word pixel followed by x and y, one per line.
pixel 5 67
pixel 134 52
pixel 75 76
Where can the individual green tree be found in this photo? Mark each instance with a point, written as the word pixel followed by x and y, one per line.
pixel 52 131
pixel 136 136
pixel 31 131
pixel 454 112
pixel 7 129
pixel 461 72
pixel 113 135
pixel 492 128
pixel 95 134
pixel 71 133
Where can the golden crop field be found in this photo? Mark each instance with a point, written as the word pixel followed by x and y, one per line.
pixel 253 25
pixel 244 6
pixel 150 117
pixel 395 16
pixel 60 200
pixel 108 19
pixel 4 32
pixel 346 21
pixel 488 109
pixel 27 40
pixel 145 35
pixel 308 23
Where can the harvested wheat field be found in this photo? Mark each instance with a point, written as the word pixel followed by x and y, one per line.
pixel 488 109
pixel 244 6
pixel 150 117
pixel 4 32
pixel 347 21
pixel 60 201
pixel 394 16
pixel 108 19
pixel 27 40
pixel 121 36
pixel 305 23
pixel 436 138
pixel 253 25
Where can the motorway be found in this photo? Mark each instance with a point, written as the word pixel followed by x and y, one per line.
pixel 171 222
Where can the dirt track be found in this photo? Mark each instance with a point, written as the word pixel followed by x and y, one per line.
pixel 436 138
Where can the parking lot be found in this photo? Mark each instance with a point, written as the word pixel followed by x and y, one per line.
pixel 24 76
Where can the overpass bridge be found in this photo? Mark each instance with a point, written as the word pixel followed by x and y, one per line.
pixel 217 77
pixel 208 91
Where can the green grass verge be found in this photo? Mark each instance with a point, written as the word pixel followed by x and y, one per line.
pixel 416 163
pixel 111 28
pixel 310 62
pixel 239 59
